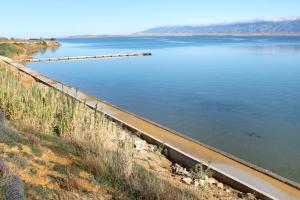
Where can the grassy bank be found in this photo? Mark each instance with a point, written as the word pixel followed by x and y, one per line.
pixel 101 147
pixel 21 49
pixel 10 50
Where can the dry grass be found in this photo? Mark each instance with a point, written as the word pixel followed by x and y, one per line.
pixel 10 50
pixel 22 49
pixel 104 146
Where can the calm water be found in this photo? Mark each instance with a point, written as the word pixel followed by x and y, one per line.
pixel 238 94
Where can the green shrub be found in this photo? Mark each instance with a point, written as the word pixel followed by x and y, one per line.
pixel 10 50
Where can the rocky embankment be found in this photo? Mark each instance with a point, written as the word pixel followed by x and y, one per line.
pixel 196 178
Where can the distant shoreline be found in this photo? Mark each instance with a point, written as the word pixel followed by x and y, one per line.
pixel 180 35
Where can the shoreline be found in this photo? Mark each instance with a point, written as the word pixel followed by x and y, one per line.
pixel 25 49
pixel 175 174
pixel 180 146
pixel 179 182
pixel 181 149
pixel 181 35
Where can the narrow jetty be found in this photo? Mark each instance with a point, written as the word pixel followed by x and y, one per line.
pixel 66 58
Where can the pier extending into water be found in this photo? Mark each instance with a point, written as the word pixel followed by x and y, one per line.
pixel 66 58
pixel 182 149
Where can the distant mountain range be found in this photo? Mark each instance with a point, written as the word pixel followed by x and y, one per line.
pixel 284 26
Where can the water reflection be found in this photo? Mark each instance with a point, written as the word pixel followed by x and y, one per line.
pixel 272 49
pixel 43 51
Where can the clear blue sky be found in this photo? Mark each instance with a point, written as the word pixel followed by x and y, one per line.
pixel 35 18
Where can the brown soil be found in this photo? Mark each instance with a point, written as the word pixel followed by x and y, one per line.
pixel 43 167
pixel 48 174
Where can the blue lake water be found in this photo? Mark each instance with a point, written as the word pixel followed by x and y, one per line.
pixel 238 94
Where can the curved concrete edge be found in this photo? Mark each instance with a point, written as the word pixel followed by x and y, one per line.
pixel 181 149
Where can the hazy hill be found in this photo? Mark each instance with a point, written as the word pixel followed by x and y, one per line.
pixel 288 26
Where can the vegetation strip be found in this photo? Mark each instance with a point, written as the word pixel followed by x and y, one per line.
pixel 275 190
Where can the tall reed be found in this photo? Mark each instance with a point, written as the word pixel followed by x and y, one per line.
pixel 106 147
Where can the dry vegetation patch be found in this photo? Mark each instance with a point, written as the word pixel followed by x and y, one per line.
pixel 24 49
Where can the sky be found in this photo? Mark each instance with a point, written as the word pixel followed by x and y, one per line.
pixel 60 18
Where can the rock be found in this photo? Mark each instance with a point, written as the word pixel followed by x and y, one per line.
pixel 250 196
pixel 143 151
pixel 185 172
pixel 196 183
pixel 187 180
pixel 140 144
pixel 220 185
pixel 240 195
pixel 152 148
pixel 211 181
pixel 228 190
pixel 177 169
pixel 202 183
pixel 165 151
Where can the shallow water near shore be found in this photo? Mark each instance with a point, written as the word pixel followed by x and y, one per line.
pixel 238 94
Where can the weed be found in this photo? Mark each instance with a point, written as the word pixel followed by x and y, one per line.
pixel 36 191
pixel 18 160
pixel 200 171
pixel 36 151
pixel 68 184
pixel 27 155
pixel 40 162
pixel 33 171
pixel 62 169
